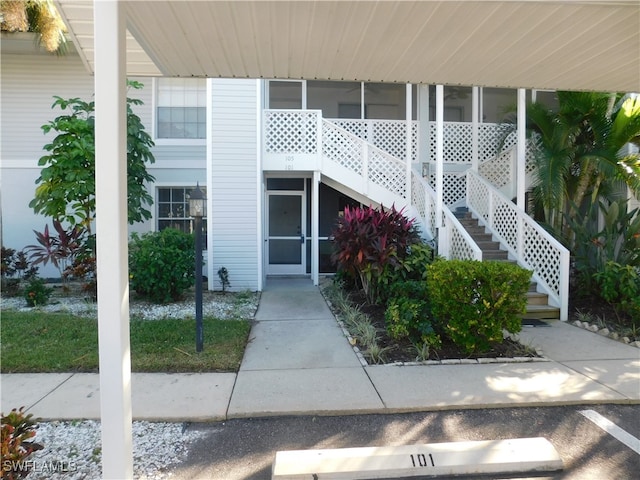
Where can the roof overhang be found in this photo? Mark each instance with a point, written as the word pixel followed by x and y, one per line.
pixel 546 44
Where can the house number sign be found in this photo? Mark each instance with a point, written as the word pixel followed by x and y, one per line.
pixel 288 162
pixel 422 460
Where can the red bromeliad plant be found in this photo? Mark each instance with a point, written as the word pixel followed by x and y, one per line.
pixel 60 250
pixel 370 242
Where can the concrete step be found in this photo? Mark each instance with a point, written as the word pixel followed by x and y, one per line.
pixel 485 457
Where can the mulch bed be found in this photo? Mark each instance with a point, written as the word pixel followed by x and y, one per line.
pixel 404 351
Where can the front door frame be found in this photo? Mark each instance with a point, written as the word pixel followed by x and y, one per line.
pixel 293 269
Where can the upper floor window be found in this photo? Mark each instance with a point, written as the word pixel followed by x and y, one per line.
pixel 181 110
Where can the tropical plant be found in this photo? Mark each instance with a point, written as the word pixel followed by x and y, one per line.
pixel 60 249
pixel 15 267
pixel 38 16
pixel 617 241
pixel 369 243
pixel 66 185
pixel 18 431
pixel 580 153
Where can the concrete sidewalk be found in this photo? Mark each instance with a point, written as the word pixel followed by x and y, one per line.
pixel 298 362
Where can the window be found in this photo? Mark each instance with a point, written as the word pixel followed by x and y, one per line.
pixel 181 108
pixel 173 209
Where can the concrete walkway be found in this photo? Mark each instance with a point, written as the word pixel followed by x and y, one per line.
pixel 298 362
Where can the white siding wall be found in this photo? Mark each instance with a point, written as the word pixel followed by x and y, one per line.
pixel 233 166
pixel 28 84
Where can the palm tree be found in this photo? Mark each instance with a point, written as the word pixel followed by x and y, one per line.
pixel 38 16
pixel 581 154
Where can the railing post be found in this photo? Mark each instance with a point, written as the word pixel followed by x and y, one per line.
pixel 520 237
pixel 490 209
pixel 319 138
pixel 443 240
pixel 365 168
pixel 564 285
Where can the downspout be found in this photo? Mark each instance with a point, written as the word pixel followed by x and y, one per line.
pixel 109 19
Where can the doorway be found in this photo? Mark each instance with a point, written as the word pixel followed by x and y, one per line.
pixel 286 231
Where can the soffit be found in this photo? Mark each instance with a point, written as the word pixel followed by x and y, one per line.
pixel 573 45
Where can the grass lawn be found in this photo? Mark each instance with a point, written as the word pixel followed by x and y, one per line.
pixel 55 342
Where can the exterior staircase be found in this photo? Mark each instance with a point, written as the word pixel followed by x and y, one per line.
pixel 538 307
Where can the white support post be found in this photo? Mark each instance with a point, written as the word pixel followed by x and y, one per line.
pixel 424 147
pixel 209 181
pixel 439 152
pixel 260 195
pixel 315 228
pixel 521 147
pixel 475 127
pixel 409 143
pixel 111 235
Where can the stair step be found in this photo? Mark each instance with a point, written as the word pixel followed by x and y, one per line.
pixel 537 298
pixel 542 312
pixel 495 255
pixel 481 237
pixel 471 224
pixel 488 245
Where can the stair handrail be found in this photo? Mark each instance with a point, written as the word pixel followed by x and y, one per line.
pixel 531 245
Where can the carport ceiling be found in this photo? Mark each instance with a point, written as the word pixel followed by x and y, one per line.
pixel 547 44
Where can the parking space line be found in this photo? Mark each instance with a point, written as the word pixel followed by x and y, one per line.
pixel 612 429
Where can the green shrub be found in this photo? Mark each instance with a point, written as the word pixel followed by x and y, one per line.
pixel 408 313
pixel 619 285
pixel 411 267
pixel 162 264
pixel 475 301
pixel 36 293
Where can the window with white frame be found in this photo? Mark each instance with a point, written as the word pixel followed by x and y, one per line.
pixel 181 108
pixel 173 209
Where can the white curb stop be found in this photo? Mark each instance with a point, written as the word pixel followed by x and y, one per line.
pixel 424 460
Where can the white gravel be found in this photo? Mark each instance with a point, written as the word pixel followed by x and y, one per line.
pixel 72 450
pixel 241 305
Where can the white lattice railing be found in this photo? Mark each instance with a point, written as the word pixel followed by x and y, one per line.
pixel 528 242
pixel 387 135
pixel 363 167
pixel 452 239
